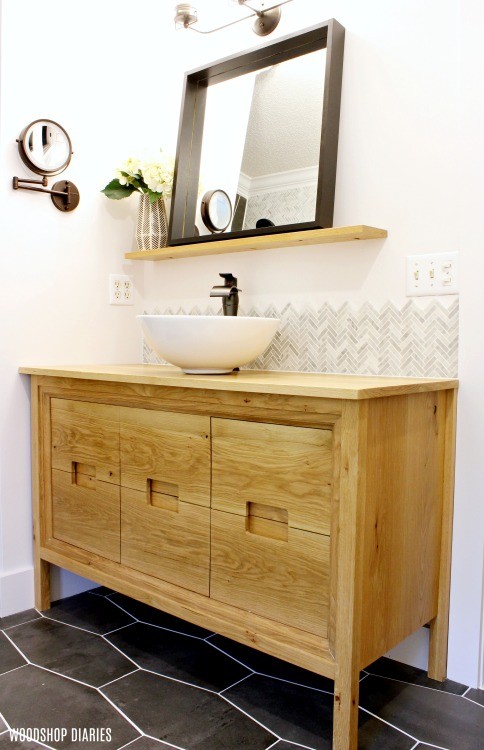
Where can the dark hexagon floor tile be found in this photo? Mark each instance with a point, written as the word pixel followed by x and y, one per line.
pixel 186 716
pixel 11 620
pixel 431 716
pixel 7 744
pixel 34 698
pixel 476 695
pixel 146 743
pixel 9 656
pixel 271 666
pixel 101 591
pixel 287 746
pixel 153 616
pixel 94 613
pixel 178 656
pixel 71 652
pixel 300 714
pixel 3 726
pixel 385 667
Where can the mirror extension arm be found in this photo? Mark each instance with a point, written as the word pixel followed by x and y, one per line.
pixel 65 195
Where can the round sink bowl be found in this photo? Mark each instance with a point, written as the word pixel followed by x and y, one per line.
pixel 208 344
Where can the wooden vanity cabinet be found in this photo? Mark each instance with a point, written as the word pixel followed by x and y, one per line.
pixel 308 516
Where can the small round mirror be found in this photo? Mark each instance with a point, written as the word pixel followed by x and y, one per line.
pixel 216 210
pixel 45 147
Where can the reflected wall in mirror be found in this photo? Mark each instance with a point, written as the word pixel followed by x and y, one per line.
pixel 45 147
pixel 263 127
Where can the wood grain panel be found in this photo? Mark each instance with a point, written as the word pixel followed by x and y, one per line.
pixel 167 448
pixel 168 544
pixel 87 517
pixel 286 581
pixel 277 465
pixel 87 433
pixel 402 522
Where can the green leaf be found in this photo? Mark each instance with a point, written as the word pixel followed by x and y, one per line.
pixel 115 191
pixel 153 195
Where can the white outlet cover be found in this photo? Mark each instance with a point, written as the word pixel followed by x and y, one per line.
pixel 121 289
pixel 432 274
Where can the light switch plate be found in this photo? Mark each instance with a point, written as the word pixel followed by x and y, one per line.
pixel 433 274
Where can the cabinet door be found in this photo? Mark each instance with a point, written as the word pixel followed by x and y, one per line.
pixel 285 467
pixel 85 476
pixel 282 576
pixel 271 511
pixel 165 496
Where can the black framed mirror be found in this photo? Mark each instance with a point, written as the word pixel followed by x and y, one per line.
pixel 262 126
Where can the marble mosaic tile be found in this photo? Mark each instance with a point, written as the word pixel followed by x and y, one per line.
pixel 409 340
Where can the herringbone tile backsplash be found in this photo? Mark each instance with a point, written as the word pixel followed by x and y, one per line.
pixel 389 340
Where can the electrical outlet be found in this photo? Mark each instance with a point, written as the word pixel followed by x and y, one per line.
pixel 433 274
pixel 121 289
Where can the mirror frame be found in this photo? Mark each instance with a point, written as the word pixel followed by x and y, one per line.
pixel 30 164
pixel 328 35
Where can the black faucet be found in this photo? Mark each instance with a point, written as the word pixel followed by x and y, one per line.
pixel 229 293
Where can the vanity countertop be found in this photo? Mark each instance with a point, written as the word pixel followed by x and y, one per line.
pixel 316 385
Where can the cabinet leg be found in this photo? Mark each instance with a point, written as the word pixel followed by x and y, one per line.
pixel 439 632
pixel 345 713
pixel 42 584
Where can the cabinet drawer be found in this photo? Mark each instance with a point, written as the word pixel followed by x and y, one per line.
pixel 87 434
pixel 86 513
pixel 172 450
pixel 283 579
pixel 281 466
pixel 166 538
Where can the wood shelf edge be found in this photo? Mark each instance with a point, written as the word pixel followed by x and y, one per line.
pixel 265 242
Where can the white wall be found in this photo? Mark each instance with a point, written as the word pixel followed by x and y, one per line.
pixel 401 147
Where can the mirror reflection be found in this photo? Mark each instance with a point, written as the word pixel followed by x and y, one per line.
pixel 45 147
pixel 261 143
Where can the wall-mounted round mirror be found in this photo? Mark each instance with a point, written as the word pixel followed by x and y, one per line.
pixel 216 210
pixel 45 147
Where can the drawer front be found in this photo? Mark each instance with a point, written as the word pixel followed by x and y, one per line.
pixel 86 513
pixel 167 449
pixel 85 438
pixel 272 570
pixel 281 466
pixel 166 538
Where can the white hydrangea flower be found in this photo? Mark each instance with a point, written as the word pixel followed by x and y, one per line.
pixel 131 166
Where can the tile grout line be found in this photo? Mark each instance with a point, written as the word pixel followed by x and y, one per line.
pixel 62 676
pixel 415 746
pixel 242 664
pixel 234 705
pixel 151 624
pixel 297 684
pixel 123 627
pixel 393 726
pixel 165 744
pixel 15 669
pixel 413 684
pixel 472 701
pixel 465 692
pixel 17 648
pixel 273 745
pixel 19 624
pixel 236 683
pixel 100 687
pixel 121 652
pixel 69 625
pixel 120 712
pixel 175 679
pixel 131 742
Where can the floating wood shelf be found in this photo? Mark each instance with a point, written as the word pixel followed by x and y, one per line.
pixel 265 242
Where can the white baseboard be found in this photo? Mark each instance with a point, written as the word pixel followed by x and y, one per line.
pixel 17 588
pixel 16 591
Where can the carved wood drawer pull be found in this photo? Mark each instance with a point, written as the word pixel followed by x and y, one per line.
pixel 83 475
pixel 162 495
pixel 268 521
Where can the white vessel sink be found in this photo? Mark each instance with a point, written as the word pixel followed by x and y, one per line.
pixel 208 344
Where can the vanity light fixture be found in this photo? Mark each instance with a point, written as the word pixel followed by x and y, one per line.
pixel 266 19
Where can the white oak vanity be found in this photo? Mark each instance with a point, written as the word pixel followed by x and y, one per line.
pixel 308 516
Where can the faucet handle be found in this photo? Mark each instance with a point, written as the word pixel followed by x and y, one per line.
pixel 230 280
